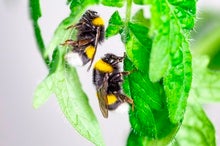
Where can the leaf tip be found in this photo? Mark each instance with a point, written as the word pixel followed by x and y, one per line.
pixel 154 76
pixel 35 105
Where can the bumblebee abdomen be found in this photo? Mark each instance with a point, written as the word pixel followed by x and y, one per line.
pixel 113 101
pixel 90 51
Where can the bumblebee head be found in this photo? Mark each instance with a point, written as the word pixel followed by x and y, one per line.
pixel 91 13
pixel 112 59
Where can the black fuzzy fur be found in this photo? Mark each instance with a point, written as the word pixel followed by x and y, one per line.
pixel 114 79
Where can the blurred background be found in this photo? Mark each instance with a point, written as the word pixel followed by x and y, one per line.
pixel 21 69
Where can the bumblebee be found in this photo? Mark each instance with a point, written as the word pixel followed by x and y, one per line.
pixel 90 32
pixel 108 79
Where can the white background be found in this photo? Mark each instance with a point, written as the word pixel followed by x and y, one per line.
pixel 21 69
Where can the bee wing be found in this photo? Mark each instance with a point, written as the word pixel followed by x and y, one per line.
pixel 102 97
pixel 95 45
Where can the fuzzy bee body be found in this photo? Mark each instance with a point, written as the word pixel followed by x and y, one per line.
pixel 107 78
pixel 88 25
pixel 90 32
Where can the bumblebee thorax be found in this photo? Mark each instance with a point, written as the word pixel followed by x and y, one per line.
pixel 103 66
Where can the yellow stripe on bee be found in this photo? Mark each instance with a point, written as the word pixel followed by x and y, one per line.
pixel 90 50
pixel 103 66
pixel 111 99
pixel 98 21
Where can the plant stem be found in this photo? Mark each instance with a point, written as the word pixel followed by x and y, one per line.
pixel 40 44
pixel 35 13
pixel 127 19
pixel 128 11
pixel 209 44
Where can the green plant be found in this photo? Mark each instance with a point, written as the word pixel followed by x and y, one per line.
pixel 158 49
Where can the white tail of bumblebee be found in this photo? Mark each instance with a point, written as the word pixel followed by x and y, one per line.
pixel 122 109
pixel 73 59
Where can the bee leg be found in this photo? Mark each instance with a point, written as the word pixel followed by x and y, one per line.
pixel 116 62
pixel 124 98
pixel 116 78
pixel 81 24
pixel 85 42
pixel 125 73
pixel 70 42
pixel 79 43
pixel 75 26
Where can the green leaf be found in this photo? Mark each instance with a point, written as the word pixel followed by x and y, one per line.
pixel 196 129
pixel 77 6
pixel 170 56
pixel 61 34
pixel 115 25
pixel 113 3
pixel 206 82
pixel 135 140
pixel 177 82
pixel 159 59
pixel 214 62
pixel 171 23
pixel 43 92
pixel 138 45
pixel 139 18
pixel 75 106
pixel 149 119
pixel 65 83
pixel 68 2
pixel 141 2
pixel 140 88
